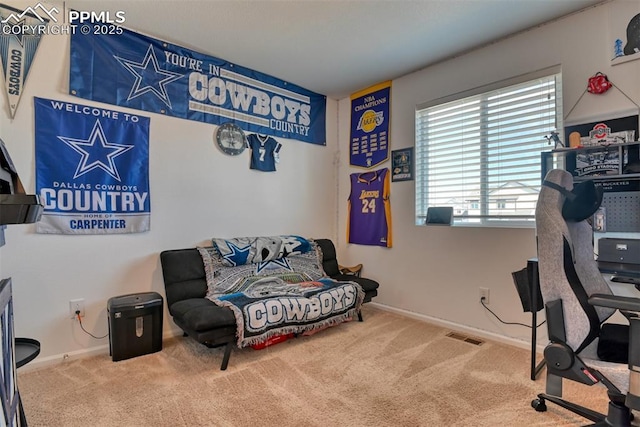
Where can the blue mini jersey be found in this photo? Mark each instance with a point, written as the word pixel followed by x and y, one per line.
pixel 263 152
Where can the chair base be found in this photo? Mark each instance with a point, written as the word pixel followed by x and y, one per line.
pixel 618 415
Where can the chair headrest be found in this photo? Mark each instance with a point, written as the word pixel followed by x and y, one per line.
pixel 581 202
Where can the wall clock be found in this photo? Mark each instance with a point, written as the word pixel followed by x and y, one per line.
pixel 230 138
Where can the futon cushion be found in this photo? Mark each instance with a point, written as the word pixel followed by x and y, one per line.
pixel 329 260
pixel 613 345
pixel 368 285
pixel 200 314
pixel 178 291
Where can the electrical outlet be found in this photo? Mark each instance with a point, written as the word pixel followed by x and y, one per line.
pixel 484 293
pixel 76 305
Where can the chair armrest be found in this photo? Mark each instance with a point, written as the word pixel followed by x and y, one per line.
pixel 614 301
pixel 355 270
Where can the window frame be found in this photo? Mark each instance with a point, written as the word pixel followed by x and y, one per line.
pixel 483 199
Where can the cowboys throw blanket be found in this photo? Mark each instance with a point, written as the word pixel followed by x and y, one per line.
pixel 274 307
pixel 279 295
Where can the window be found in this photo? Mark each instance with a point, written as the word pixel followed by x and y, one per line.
pixel 479 151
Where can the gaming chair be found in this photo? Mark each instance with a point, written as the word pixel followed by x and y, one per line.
pixel 578 301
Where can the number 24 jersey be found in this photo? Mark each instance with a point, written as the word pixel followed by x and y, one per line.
pixel 370 209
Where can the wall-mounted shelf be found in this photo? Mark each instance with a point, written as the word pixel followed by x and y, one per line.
pixel 599 163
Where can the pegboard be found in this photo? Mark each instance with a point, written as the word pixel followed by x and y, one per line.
pixel 622 211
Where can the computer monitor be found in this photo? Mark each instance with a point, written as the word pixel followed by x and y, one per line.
pixel 440 215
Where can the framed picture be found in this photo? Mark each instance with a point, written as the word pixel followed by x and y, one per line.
pixel 402 164
pixel 619 130
pixel 603 147
pixel 624 27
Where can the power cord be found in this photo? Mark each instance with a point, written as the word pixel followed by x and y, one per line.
pixel 80 320
pixel 507 323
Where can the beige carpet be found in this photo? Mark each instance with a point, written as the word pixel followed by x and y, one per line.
pixel 387 371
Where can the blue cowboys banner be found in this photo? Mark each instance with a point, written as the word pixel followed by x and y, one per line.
pixel 92 169
pixel 135 71
pixel 369 142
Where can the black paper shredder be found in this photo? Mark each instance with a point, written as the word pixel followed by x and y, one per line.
pixel 135 325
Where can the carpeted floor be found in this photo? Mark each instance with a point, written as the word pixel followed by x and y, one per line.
pixel 387 371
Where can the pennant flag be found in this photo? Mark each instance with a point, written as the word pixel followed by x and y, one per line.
pixel 20 36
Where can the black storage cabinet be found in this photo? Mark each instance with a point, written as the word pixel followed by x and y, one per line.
pixel 135 325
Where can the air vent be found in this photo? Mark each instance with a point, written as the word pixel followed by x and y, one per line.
pixel 460 337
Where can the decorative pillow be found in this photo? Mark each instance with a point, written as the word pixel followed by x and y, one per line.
pixel 222 279
pixel 252 250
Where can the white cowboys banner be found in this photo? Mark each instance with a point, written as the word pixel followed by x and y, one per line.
pixel 92 169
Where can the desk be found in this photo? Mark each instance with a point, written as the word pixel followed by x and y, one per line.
pixel 620 269
pixel 611 270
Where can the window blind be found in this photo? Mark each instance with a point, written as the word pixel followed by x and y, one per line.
pixel 481 153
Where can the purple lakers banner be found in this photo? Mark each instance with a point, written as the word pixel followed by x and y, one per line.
pixel 135 71
pixel 369 142
pixel 92 169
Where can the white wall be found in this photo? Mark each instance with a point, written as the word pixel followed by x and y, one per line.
pixel 197 192
pixel 436 271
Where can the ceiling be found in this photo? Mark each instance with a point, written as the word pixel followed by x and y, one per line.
pixel 333 47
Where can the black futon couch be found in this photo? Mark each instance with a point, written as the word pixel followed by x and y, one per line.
pixel 186 286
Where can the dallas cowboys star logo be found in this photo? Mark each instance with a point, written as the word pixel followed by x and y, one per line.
pixel 274 263
pixel 96 152
pixel 21 31
pixel 238 256
pixel 149 77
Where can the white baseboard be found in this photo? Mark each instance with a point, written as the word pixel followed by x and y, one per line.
pixel 43 362
pixel 457 327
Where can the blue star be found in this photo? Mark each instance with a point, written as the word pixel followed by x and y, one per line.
pixel 149 77
pixel 21 31
pixel 238 256
pixel 281 262
pixel 96 152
